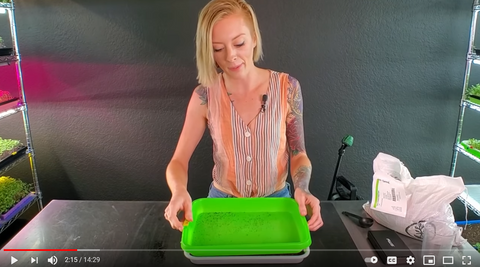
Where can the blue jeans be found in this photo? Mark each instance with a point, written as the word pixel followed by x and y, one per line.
pixel 215 193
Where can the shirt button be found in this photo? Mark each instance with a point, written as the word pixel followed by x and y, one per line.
pixel 249 182
pixel 247 134
pixel 249 158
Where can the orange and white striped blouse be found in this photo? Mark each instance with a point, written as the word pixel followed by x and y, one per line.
pixel 250 160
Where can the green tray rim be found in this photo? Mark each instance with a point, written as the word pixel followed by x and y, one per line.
pixel 474 100
pixel 472 151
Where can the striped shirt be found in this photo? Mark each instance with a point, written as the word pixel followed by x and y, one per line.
pixel 250 160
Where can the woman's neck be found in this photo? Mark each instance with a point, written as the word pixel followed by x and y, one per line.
pixel 243 85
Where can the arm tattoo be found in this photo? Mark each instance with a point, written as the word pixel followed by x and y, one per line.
pixel 301 179
pixel 295 134
pixel 202 94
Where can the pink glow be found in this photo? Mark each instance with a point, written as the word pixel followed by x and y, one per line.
pixel 48 81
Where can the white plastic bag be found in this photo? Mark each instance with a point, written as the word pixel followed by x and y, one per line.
pixel 427 198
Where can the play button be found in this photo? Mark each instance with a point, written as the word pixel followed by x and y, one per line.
pixel 12 260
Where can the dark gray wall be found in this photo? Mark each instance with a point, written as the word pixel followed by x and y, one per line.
pixel 108 83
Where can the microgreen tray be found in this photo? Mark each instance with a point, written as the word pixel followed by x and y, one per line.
pixel 245 226
pixel 474 152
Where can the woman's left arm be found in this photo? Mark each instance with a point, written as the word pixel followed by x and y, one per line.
pixel 300 165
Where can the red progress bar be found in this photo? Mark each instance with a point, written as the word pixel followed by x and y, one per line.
pixel 6 249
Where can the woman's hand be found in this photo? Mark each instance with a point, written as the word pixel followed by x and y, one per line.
pixel 180 201
pixel 309 204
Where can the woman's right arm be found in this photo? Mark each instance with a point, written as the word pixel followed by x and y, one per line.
pixel 177 170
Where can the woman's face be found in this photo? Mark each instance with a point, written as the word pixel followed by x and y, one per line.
pixel 233 45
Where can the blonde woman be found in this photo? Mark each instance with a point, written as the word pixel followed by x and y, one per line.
pixel 254 116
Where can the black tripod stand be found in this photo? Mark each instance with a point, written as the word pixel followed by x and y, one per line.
pixel 345 189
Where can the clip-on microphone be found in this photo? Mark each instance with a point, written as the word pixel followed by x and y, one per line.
pixel 347 141
pixel 264 101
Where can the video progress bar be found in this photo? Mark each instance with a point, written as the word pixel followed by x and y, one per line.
pixel 51 249
pixel 180 250
pixel 87 249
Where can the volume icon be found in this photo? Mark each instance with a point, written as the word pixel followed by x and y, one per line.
pixel 52 260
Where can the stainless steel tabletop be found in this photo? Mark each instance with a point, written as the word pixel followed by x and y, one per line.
pixel 134 233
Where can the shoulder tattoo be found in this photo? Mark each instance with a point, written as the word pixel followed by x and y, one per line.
pixel 202 94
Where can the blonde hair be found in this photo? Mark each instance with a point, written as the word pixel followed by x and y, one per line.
pixel 214 11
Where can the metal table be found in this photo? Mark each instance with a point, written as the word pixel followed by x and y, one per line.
pixel 134 233
pixel 463 254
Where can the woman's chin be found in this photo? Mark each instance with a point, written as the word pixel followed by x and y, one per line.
pixel 237 72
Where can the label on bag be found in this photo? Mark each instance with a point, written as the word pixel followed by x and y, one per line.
pixel 388 195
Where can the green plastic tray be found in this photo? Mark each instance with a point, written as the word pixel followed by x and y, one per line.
pixel 472 151
pixel 245 226
pixel 474 100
